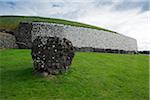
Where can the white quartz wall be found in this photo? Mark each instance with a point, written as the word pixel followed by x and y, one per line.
pixel 84 37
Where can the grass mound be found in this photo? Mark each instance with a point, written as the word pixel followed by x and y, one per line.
pixel 11 22
pixel 92 76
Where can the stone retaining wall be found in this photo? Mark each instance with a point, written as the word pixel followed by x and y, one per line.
pixel 85 37
pixel 79 36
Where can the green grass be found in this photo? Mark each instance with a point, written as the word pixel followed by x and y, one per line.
pixel 92 76
pixel 11 22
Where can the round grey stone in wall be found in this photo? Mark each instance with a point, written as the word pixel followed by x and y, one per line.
pixel 7 40
pixel 51 55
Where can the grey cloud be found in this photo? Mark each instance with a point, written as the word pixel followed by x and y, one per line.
pixel 127 5
pixel 123 5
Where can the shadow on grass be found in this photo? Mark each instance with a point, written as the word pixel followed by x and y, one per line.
pixel 27 74
pixel 19 75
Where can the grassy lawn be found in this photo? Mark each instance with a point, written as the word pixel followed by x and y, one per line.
pixel 11 22
pixel 92 76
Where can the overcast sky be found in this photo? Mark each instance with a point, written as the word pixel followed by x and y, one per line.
pixel 128 17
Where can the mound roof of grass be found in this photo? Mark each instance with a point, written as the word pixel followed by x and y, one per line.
pixel 11 22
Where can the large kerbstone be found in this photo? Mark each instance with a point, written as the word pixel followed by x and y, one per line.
pixel 23 35
pixel 51 55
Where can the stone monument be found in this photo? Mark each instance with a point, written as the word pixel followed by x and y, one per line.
pixel 51 55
